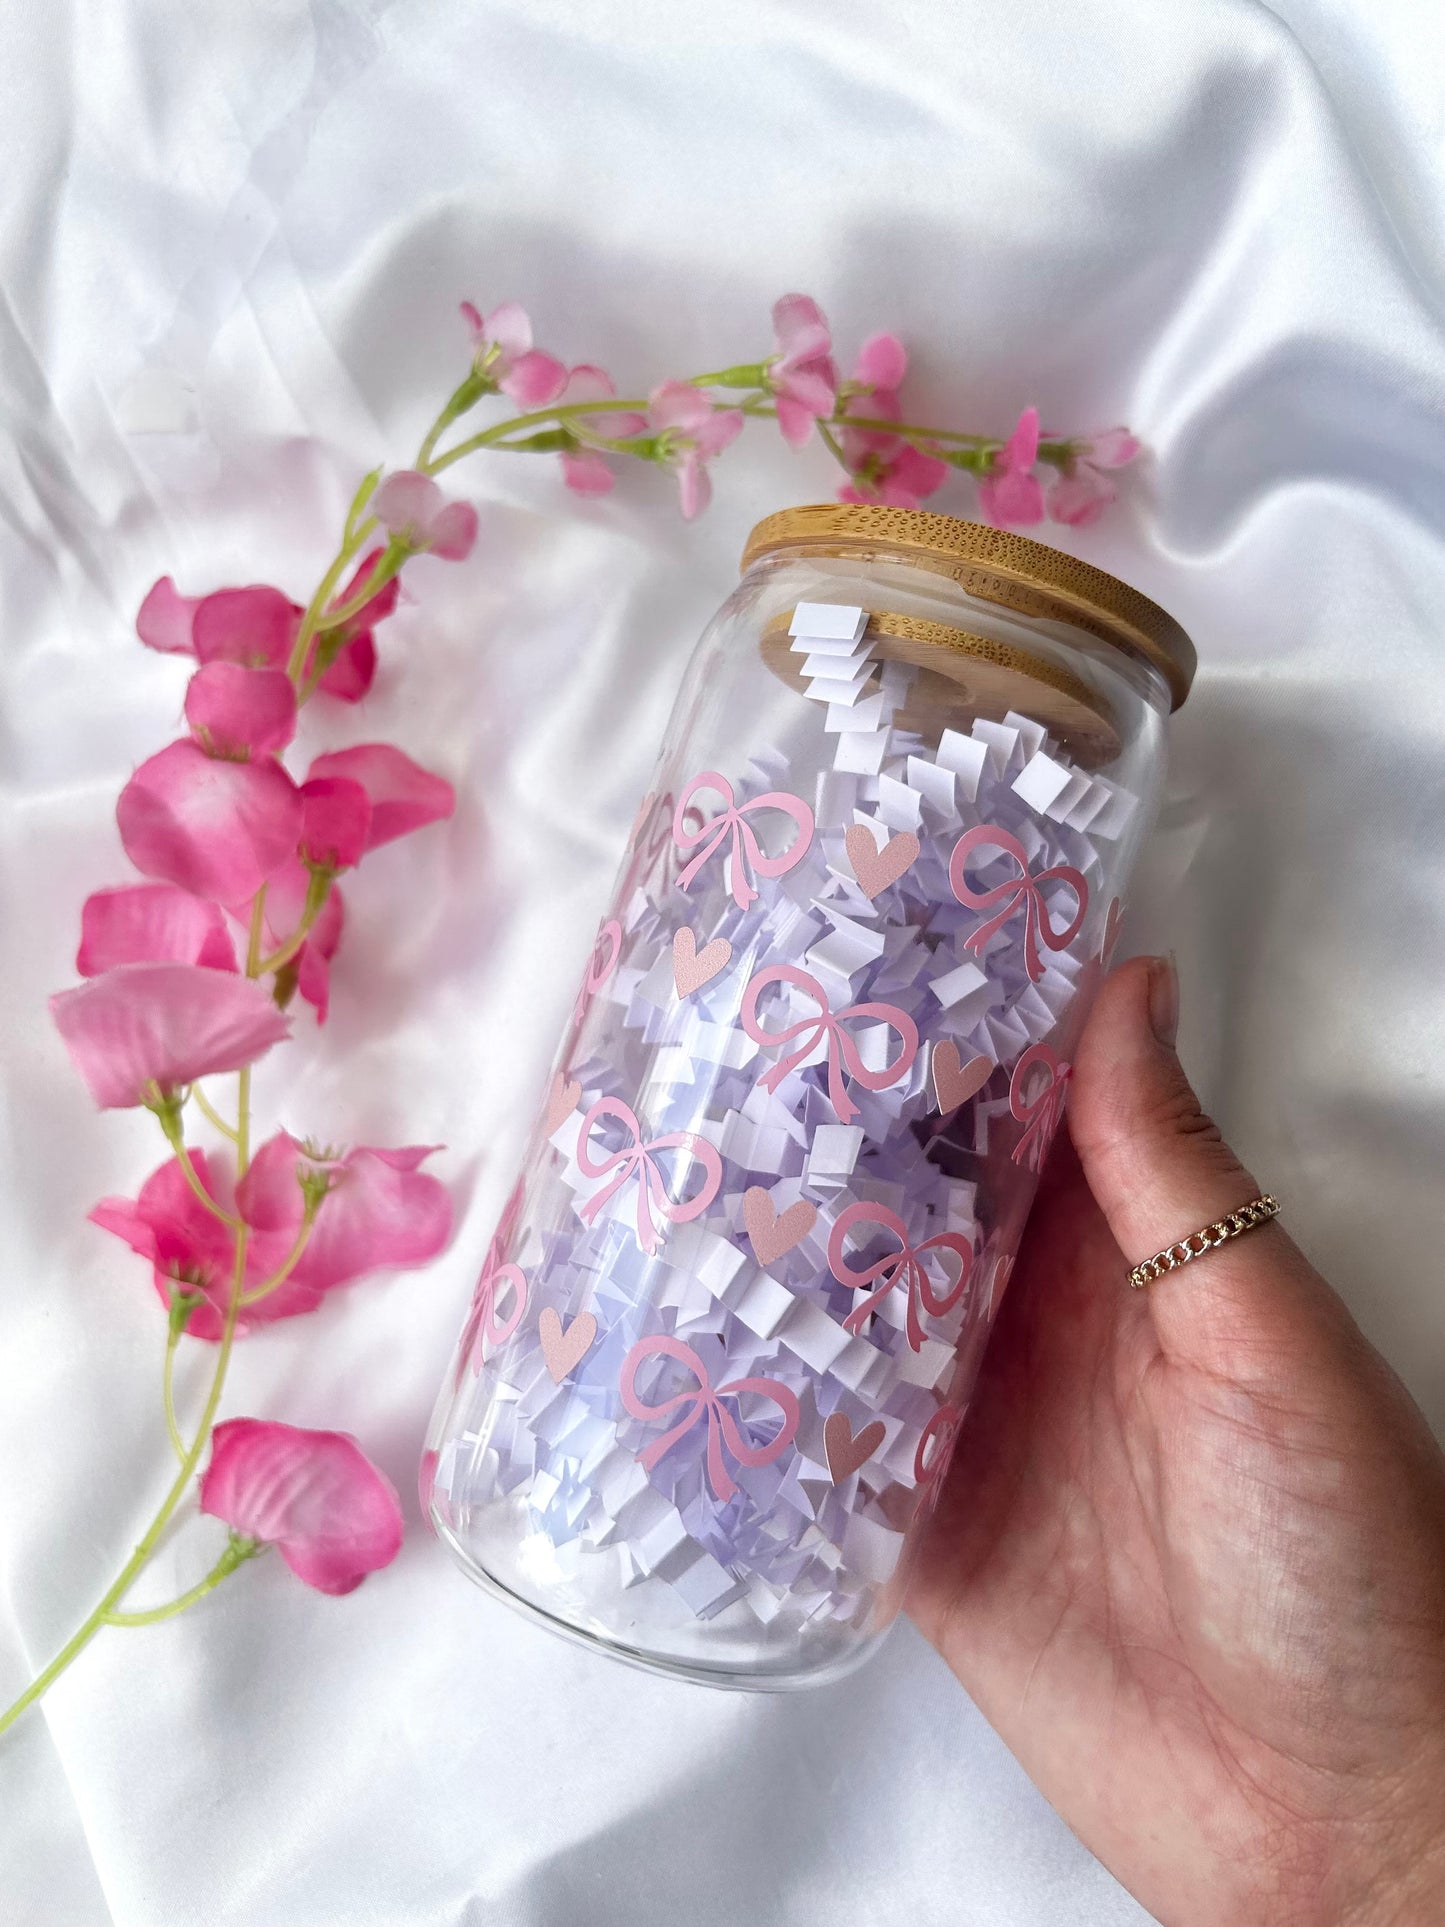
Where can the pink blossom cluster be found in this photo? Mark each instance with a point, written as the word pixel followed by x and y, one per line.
pixel 188 975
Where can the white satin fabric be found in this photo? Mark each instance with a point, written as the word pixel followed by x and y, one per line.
pixel 234 239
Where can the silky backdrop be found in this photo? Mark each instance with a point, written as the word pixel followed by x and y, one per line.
pixel 232 245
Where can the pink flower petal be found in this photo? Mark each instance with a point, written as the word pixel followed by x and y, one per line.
pixel 916 472
pixel 335 823
pixel 354 670
pixel 720 428
pixel 164 619
pixel 255 626
pixel 404 797
pixel 405 503
pixel 587 382
pixel 1080 497
pixel 453 531
pixel 677 405
pixel 377 607
pixel 694 486
pixel 163 1023
pixel 509 328
pixel 315 1496
pixel 534 379
pixel 1021 450
pixel 801 328
pixel 472 315
pixel 313 963
pixel 218 829
pixel 882 363
pixel 238 712
pixel 187 1246
pixel 1110 448
pixel 381 1212
pixel 151 923
pixel 795 421
pixel 813 386
pixel 586 472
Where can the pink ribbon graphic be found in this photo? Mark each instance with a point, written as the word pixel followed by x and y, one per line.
pixel 483 1319
pixel 600 965
pixel 1040 1113
pixel 746 852
pixel 636 1159
pixel 1025 889
pixel 935 1450
pixel 843 1050
pixel 904 1266
pixel 723 1428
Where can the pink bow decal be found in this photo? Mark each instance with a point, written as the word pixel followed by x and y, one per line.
pixel 904 1265
pixel 1040 1113
pixel 600 965
pixel 636 1159
pixel 843 1050
pixel 723 1428
pixel 746 852
pixel 935 1451
pixel 1025 889
pixel 483 1319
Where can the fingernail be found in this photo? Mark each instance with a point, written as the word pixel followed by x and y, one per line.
pixel 1164 999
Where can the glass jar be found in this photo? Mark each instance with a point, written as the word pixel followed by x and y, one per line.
pixel 723 1339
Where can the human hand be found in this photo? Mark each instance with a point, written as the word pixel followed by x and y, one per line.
pixel 1190 1562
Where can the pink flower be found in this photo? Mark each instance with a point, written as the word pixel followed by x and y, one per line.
pixel 404 797
pixel 238 713
pixel 885 468
pixel 353 669
pixel 690 432
pixel 1083 491
pixel 380 1210
pixel 900 480
pixel 151 923
pixel 1011 495
pixel 801 375
pixel 411 507
pixel 218 829
pixel 257 627
pixel 335 823
pixel 285 905
pixel 586 470
pixel 145 1025
pixel 187 1245
pixel 502 353
pixel 315 1496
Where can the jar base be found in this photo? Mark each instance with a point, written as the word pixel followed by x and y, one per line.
pixel 782 1678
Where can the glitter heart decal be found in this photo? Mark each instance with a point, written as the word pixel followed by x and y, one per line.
pixel 691 967
pixel 562 1101
pixel 846 1449
pixel 771 1232
pixel 565 1348
pixel 875 869
pixel 954 1083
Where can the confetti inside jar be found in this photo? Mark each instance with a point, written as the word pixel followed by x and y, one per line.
pixel 721 1347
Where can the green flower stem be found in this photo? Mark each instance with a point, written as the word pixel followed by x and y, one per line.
pixel 317 892
pixel 388 562
pixel 289 1263
pixel 87 1631
pixel 236 1554
pixel 172 1129
pixel 168 1392
pixel 834 447
pixel 209 1111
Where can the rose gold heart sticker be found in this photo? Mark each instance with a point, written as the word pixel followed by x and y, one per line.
pixel 565 1349
pixel 875 869
pixel 562 1101
pixel 847 1449
pixel 691 967
pixel 955 1083
pixel 774 1232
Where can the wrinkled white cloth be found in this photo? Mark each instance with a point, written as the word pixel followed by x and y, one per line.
pixel 232 244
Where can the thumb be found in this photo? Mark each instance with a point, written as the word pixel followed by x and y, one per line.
pixel 1253 1309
